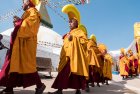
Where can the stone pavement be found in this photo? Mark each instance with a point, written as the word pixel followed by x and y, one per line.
pixel 117 86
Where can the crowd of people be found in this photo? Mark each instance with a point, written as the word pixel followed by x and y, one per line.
pixel 83 62
pixel 129 64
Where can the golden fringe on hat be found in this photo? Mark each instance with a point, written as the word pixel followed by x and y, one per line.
pixel 72 12
pixel 35 2
pixel 93 37
pixel 130 51
pixel 83 28
pixel 122 50
pixel 102 47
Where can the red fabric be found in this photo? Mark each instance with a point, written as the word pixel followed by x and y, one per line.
pixel 64 36
pixel 31 4
pixel 136 63
pixel 6 66
pixel 126 68
pixel 83 1
pixel 130 63
pixel 121 56
pixel 94 76
pixel 66 80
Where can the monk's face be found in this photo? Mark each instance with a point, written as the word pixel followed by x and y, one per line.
pixel 122 54
pixel 104 52
pixel 131 53
pixel 25 4
pixel 73 23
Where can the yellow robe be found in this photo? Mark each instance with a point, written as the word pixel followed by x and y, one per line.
pixel 107 69
pixel 122 63
pixel 23 59
pixel 92 56
pixel 132 58
pixel 75 50
pixel 100 60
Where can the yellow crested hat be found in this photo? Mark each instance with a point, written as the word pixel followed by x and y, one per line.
pixel 72 12
pixel 102 47
pixel 83 28
pixel 122 50
pixel 93 37
pixel 130 51
pixel 34 2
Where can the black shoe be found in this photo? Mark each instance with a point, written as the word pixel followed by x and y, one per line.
pixel 40 90
pixel 98 84
pixel 92 85
pixel 56 92
pixel 107 83
pixel 87 89
pixel 78 92
pixel 7 91
pixel 10 92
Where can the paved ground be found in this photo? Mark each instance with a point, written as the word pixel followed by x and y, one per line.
pixel 117 86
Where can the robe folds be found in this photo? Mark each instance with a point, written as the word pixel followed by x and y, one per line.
pixel 76 52
pixel 73 65
pixel 107 69
pixel 124 66
pixel 92 56
pixel 23 58
pixel 19 67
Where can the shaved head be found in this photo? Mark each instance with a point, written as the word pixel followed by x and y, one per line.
pixel 25 1
pixel 26 4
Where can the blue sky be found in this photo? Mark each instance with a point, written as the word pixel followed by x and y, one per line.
pixel 111 21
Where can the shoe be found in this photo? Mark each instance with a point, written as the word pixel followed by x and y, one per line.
pixel 6 91
pixel 87 89
pixel 56 92
pixel 98 84
pixel 92 85
pixel 41 89
pixel 78 92
pixel 107 83
pixel 10 92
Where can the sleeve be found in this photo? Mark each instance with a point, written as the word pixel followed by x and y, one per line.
pixel 82 37
pixel 31 19
pixel 29 24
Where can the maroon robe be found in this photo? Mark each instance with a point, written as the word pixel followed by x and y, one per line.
pixel 65 79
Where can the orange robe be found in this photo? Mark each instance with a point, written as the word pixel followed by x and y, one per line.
pixel 23 59
pixel 100 59
pixel 75 50
pixel 107 69
pixel 92 56
pixel 124 66
pixel 131 63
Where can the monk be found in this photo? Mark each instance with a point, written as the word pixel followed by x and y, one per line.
pixel 108 62
pixel 19 68
pixel 123 64
pixel 73 69
pixel 93 61
pixel 133 64
pixel 97 65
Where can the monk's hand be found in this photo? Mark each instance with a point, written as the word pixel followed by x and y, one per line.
pixel 69 37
